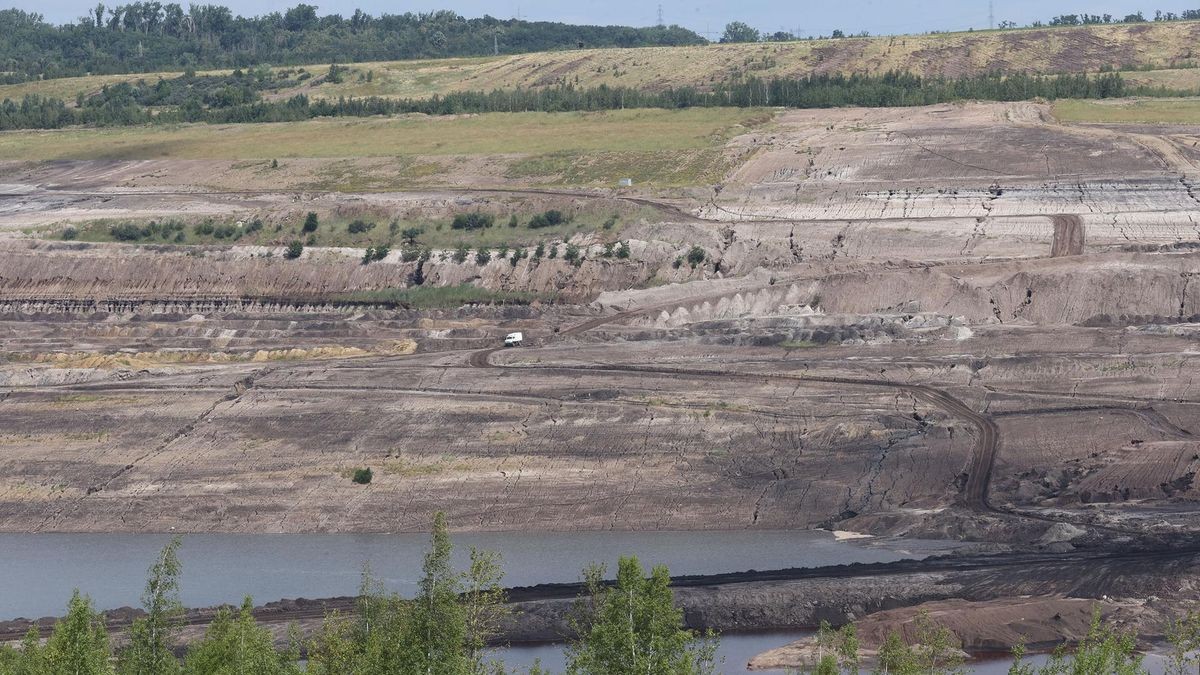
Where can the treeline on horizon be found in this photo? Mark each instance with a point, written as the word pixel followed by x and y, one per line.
pixel 126 104
pixel 152 36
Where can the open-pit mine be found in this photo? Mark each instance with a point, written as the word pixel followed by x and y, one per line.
pixel 968 323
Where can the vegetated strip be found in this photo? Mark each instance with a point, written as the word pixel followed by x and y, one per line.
pixel 126 104
pixel 435 297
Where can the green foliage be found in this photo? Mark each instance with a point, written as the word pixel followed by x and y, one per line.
pixel 512 220
pixel 461 253
pixel 237 644
pixel 78 644
pixel 472 221
pixel 1183 636
pixel 152 636
pixel 551 218
pixel 363 476
pixel 429 297
pixel 623 250
pixel 359 227
pixel 1103 650
pixel 634 627
pixel 573 255
pixel 310 223
pixel 444 630
pixel 374 254
pixel 410 235
pixel 148 36
pixel 482 257
pixel 738 31
pixel 696 256
pixel 837 650
pixel 540 251
pixel 294 249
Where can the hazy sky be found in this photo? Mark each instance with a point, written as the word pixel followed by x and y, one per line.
pixel 810 17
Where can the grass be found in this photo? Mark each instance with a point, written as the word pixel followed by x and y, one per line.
pixel 435 297
pixel 333 231
pixel 1152 111
pixel 638 131
pixel 1040 50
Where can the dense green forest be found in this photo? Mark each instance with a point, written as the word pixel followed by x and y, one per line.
pixel 152 36
pixel 629 625
pixel 237 98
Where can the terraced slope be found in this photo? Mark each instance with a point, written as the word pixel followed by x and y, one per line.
pixel 1045 50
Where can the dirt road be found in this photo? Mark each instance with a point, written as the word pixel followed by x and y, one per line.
pixel 1068 236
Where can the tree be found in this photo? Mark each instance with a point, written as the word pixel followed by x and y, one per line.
pixel 896 657
pixel 295 249
pixel 237 644
pixel 435 632
pixel 151 636
pixel 740 32
pixel 1184 637
pixel 310 223
pixel 79 643
pixel 1102 651
pixel 409 235
pixel 483 605
pixel 634 627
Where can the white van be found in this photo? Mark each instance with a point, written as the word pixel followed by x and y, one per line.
pixel 513 340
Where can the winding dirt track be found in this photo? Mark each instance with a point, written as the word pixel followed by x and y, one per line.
pixel 975 491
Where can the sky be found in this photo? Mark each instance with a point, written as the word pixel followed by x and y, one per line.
pixel 805 17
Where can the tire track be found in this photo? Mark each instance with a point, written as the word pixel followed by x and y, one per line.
pixel 975 492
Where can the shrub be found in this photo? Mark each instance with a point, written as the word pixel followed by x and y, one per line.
pixel 128 232
pixel 608 250
pixel 359 226
pixel 610 223
pixel 472 221
pixel 572 255
pixel 550 218
pixel 312 240
pixel 373 254
pixel 696 256
pixel 412 254
pixel 294 249
pixel 254 226
pixel 461 253
pixel 539 251
pixel 623 250
pixel 410 234
pixel 363 476
pixel 512 220
pixel 310 222
pixel 69 234
pixel 553 251
pixel 225 232
pixel 482 257
pixel 203 229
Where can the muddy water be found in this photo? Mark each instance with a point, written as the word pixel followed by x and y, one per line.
pixel 37 572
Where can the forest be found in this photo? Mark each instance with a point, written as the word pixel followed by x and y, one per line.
pixel 152 36
pixel 237 98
